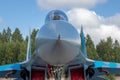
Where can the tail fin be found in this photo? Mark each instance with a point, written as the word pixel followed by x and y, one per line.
pixel 29 47
pixel 83 44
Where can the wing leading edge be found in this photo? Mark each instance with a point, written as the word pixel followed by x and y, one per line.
pixel 99 64
pixel 10 67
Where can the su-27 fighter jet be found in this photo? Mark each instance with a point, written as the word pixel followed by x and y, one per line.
pixel 58 48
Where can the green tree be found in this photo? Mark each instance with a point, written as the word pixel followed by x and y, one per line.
pixel 116 51
pixel 4 36
pixel 91 52
pixel 23 51
pixel 116 44
pixel 8 34
pixel 17 36
pixel 26 39
pixel 33 36
pixel 0 37
pixel 105 49
pixel 2 53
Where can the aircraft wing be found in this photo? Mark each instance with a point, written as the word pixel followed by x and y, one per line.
pixel 10 67
pixel 99 68
pixel 104 67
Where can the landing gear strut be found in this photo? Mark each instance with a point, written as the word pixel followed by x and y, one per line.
pixel 57 72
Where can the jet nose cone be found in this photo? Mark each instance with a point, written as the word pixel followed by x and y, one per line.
pixel 58 52
pixel 58 42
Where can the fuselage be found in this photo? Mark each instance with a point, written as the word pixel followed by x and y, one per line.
pixel 57 42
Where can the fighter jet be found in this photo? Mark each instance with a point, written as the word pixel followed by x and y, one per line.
pixel 58 49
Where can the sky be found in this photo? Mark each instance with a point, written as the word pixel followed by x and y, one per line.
pixel 99 18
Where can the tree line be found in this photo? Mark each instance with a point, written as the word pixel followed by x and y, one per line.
pixel 13 47
pixel 106 49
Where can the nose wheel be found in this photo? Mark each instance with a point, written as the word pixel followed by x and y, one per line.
pixel 57 72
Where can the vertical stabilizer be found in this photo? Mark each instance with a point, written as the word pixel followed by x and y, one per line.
pixel 29 47
pixel 83 44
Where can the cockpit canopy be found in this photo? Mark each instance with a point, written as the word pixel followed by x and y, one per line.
pixel 56 15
